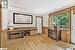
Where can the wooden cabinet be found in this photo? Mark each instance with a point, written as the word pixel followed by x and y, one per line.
pixel 13 35
pixel 54 34
pixel 45 31
pixel 65 35
pixel 59 35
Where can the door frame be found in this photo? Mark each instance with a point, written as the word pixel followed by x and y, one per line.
pixel 41 21
pixel 0 17
pixel 72 11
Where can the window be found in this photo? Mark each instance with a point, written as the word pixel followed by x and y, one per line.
pixel 61 20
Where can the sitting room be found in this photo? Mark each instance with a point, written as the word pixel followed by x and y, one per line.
pixel 37 24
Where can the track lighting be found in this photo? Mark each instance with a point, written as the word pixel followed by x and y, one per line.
pixel 4 3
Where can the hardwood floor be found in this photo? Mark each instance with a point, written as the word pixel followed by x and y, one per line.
pixel 38 42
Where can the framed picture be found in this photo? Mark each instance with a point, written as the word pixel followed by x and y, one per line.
pixel 19 18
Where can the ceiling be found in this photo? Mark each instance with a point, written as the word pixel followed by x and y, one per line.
pixel 41 6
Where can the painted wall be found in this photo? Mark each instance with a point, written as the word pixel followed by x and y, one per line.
pixel 4 18
pixel 45 20
pixel 7 18
pixel 12 10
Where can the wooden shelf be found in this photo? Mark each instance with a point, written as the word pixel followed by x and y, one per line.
pixel 54 34
pixel 20 32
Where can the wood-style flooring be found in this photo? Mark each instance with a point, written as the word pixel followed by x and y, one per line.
pixel 37 42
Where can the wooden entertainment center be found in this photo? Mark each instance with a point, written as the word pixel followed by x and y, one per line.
pixel 20 32
pixel 5 36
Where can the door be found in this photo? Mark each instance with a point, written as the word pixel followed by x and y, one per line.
pixel 73 29
pixel 39 24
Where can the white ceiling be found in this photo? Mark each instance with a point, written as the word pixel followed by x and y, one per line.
pixel 41 6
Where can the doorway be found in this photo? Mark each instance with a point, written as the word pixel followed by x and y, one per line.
pixel 39 24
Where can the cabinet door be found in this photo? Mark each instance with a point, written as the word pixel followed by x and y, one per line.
pixel 73 35
pixel 65 36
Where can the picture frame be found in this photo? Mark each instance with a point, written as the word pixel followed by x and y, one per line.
pixel 19 18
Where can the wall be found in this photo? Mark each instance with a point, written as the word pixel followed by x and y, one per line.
pixel 45 20
pixel 7 18
pixel 12 10
pixel 45 24
pixel 4 18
